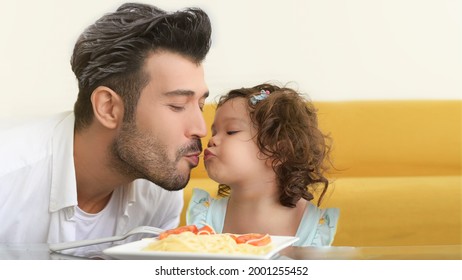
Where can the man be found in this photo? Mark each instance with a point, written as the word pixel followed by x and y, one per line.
pixel 137 119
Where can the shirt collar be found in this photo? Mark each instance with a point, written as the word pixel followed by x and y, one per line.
pixel 63 181
pixel 131 194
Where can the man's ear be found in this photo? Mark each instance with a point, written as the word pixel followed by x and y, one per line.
pixel 108 107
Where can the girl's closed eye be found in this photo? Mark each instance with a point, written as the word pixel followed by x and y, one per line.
pixel 231 132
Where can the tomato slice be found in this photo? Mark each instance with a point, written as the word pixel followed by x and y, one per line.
pixel 205 230
pixel 256 239
pixel 178 230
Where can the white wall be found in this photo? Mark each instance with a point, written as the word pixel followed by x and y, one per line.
pixel 332 50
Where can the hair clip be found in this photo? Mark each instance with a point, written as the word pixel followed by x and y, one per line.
pixel 257 98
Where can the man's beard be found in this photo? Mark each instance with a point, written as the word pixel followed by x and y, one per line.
pixel 138 154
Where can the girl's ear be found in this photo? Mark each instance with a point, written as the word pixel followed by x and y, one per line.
pixel 107 107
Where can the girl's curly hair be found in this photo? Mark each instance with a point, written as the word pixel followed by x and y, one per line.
pixel 289 136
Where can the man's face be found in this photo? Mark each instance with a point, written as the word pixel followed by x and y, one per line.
pixel 162 144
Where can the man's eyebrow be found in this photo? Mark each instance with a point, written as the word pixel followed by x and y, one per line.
pixel 184 92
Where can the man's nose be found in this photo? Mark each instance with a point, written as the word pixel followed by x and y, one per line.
pixel 197 128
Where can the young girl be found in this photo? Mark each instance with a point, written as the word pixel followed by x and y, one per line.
pixel 268 156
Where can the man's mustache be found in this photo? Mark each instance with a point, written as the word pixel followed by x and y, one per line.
pixel 194 147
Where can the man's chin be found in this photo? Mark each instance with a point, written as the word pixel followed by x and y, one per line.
pixel 172 180
pixel 174 183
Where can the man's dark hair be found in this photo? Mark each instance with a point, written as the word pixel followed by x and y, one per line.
pixel 112 51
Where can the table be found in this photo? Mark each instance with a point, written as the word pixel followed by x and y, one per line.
pixel 440 252
pixel 31 252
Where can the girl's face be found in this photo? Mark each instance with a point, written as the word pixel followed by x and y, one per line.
pixel 232 156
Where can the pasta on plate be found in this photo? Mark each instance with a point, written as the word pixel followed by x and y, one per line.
pixel 209 243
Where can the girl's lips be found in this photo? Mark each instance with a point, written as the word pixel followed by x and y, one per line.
pixel 208 154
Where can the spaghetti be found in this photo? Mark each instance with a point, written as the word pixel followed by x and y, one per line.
pixel 211 243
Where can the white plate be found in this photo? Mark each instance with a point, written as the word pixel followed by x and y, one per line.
pixel 134 251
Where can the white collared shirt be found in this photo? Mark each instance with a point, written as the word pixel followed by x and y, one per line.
pixel 38 194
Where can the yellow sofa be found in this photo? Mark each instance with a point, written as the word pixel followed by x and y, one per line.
pixel 398 171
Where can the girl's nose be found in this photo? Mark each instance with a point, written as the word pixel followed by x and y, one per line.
pixel 211 142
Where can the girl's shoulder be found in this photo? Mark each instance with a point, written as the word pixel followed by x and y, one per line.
pixel 200 196
pixel 318 226
pixel 200 204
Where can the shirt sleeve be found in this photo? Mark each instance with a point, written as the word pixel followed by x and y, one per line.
pixel 326 228
pixel 198 208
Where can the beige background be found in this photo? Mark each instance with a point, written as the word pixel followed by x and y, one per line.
pixel 331 50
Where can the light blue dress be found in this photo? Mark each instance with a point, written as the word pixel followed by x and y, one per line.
pixel 317 227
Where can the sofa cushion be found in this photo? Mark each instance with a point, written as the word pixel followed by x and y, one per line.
pixel 394 138
pixel 381 211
